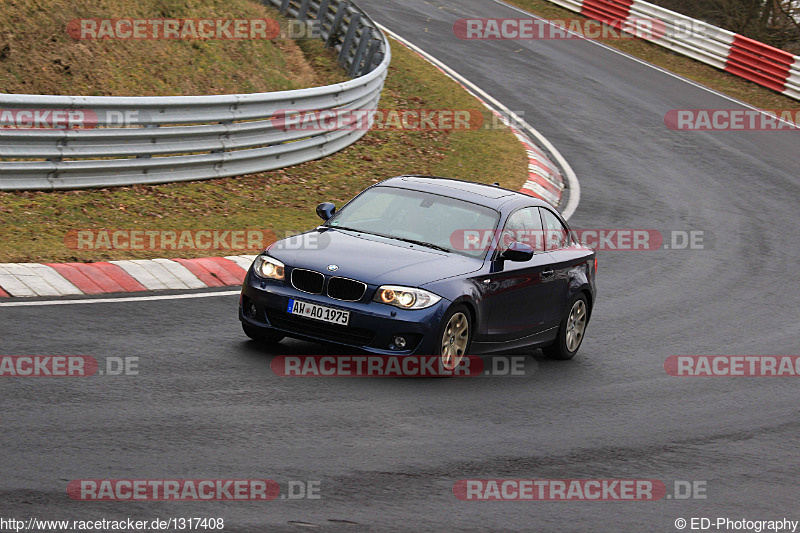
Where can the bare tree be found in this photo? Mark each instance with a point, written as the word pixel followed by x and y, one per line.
pixel 775 22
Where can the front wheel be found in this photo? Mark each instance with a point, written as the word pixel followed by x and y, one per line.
pixel 571 331
pixel 261 335
pixel 454 337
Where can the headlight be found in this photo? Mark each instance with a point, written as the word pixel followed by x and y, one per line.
pixel 267 267
pixel 405 297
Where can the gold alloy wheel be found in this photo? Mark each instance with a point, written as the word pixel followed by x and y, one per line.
pixel 454 341
pixel 576 325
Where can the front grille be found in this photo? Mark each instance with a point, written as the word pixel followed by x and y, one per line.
pixel 307 281
pixel 321 330
pixel 345 289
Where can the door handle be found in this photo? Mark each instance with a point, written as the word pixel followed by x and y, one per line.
pixel 548 274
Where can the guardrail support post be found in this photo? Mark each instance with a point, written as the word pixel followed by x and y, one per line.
pixel 366 37
pixel 348 40
pixel 337 21
pixel 322 13
pixel 370 59
pixel 303 11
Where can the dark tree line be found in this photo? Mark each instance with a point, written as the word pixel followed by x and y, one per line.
pixel 775 22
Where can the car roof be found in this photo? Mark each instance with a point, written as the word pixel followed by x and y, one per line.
pixel 480 193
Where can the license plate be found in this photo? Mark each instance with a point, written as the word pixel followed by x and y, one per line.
pixel 319 312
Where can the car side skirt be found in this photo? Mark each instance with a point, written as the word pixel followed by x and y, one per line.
pixel 541 339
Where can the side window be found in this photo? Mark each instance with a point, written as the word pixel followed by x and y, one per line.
pixel 523 226
pixel 555 234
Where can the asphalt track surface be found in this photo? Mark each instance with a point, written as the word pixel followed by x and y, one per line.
pixel 387 452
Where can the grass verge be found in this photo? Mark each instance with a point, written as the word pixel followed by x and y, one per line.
pixel 43 51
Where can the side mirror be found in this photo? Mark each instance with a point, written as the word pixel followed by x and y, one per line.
pixel 518 252
pixel 326 210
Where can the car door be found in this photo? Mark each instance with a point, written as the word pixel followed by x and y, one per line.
pixel 521 294
pixel 558 244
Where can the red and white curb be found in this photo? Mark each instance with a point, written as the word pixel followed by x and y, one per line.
pixel 69 279
pixel 544 178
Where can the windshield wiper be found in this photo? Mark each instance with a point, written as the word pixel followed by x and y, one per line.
pixel 357 230
pixel 422 243
pixel 412 241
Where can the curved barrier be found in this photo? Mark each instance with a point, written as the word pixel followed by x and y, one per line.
pixel 608 11
pixel 759 63
pixel 752 60
pixel 111 141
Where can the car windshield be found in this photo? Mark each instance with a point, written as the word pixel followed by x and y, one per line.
pixel 423 218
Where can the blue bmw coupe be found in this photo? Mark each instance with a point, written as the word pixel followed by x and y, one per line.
pixel 427 266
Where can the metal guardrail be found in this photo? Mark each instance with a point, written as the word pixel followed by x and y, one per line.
pixel 765 65
pixel 687 36
pixel 146 140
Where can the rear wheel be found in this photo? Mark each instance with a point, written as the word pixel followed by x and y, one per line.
pixel 454 337
pixel 261 335
pixel 571 330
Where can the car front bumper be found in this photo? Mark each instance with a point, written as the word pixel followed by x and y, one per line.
pixel 372 326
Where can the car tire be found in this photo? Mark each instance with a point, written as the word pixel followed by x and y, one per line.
pixel 262 336
pixel 570 331
pixel 454 337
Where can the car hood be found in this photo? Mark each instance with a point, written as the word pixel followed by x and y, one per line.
pixel 369 258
